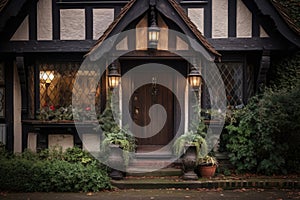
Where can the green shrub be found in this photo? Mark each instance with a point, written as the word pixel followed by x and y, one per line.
pixel 77 155
pixel 285 72
pixel 52 170
pixel 72 155
pixel 264 136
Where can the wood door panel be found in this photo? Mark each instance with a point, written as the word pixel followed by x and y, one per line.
pixel 141 102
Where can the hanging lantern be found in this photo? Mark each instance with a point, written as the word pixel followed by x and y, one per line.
pixel 194 78
pixel 113 76
pixel 153 31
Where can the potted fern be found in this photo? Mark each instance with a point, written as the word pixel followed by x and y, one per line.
pixel 117 142
pixel 189 145
pixel 192 146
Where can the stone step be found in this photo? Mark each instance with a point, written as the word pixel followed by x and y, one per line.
pixel 228 183
pixel 150 163
pixel 148 172
pixel 165 155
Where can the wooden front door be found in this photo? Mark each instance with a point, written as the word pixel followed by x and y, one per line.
pixel 141 101
pixel 143 97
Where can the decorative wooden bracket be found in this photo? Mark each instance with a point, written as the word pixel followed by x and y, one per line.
pixel 263 69
pixel 152 2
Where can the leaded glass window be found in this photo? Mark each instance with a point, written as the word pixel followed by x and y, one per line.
pixel 232 75
pixel 57 84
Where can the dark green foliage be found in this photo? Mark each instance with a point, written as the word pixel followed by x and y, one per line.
pixel 264 135
pixel 71 155
pixel 107 122
pixel 52 170
pixel 77 155
pixel 285 73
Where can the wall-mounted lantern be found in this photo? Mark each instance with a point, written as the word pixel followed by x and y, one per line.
pixel 153 30
pixel 113 76
pixel 194 78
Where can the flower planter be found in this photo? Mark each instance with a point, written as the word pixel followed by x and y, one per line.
pixel 189 163
pixel 207 171
pixel 116 162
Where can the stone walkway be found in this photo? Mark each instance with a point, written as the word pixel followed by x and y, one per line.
pixel 160 194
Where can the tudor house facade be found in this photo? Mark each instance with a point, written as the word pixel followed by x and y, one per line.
pixel 43 43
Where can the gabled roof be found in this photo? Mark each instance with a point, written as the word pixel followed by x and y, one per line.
pixel 193 27
pixel 287 16
pixel 12 13
pixel 112 25
pixel 3 4
pixel 180 12
pixel 275 19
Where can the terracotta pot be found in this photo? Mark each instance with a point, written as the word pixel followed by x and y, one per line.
pixel 207 171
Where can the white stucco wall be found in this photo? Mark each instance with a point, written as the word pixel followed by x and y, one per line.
pixel 141 34
pixel 32 141
pixel 91 142
pixel 102 18
pixel 22 33
pixel 123 44
pixel 197 17
pixel 60 140
pixel 219 18
pixel 72 24
pixel 243 21
pixel 163 41
pixel 262 32
pixel 181 44
pixel 44 20
pixel 17 112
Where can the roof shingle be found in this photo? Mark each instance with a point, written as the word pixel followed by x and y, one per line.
pixel 3 4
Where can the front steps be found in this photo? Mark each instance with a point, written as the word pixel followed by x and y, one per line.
pixel 147 163
pixel 139 177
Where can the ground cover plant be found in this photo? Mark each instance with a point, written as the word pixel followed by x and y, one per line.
pixel 52 170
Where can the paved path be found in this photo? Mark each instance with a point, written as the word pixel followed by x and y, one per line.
pixel 165 194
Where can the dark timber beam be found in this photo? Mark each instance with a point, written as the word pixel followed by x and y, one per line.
pixel 232 18
pixel 10 21
pixel 9 105
pixel 11 10
pixel 47 46
pixel 22 77
pixel 72 3
pixel 58 46
pixel 247 44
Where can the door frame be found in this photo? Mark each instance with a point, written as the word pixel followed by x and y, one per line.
pixel 176 63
